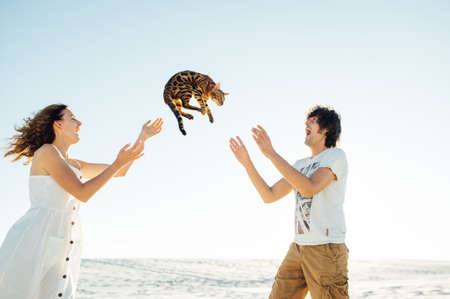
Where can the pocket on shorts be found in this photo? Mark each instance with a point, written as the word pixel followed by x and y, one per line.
pixel 53 252
pixel 334 282
pixel 338 251
pixel 336 289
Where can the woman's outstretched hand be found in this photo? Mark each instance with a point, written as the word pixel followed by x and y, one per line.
pixel 240 152
pixel 128 154
pixel 150 129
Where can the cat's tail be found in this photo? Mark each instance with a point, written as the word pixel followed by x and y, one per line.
pixel 175 111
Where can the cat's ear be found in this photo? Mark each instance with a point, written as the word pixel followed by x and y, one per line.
pixel 211 86
pixel 217 85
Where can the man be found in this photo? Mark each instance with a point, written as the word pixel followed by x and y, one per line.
pixel 317 259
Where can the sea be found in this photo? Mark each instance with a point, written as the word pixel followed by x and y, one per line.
pixel 224 279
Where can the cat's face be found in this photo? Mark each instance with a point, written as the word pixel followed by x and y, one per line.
pixel 217 95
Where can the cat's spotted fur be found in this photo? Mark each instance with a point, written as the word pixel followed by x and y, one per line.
pixel 182 86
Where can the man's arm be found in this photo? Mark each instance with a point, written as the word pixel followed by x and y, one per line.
pixel 268 194
pixel 307 186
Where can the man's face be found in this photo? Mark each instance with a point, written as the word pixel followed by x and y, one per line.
pixel 313 136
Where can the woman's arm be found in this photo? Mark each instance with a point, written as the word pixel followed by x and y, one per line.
pixel 68 180
pixel 91 170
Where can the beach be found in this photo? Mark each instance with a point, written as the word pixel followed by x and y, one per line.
pixel 224 279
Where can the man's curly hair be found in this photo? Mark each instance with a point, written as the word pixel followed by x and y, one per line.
pixel 36 131
pixel 328 119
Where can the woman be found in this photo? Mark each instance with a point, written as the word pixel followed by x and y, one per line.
pixel 40 256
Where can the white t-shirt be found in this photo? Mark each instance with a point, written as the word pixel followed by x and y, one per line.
pixel 320 218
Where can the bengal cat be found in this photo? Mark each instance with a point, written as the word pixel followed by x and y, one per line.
pixel 182 86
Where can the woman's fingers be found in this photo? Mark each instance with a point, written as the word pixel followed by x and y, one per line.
pixel 157 123
pixel 138 156
pixel 124 148
pixel 155 127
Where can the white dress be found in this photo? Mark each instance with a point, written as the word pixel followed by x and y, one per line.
pixel 40 256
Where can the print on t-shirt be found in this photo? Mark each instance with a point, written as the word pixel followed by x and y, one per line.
pixel 303 204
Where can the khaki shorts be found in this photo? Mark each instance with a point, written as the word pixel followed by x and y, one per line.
pixel 321 269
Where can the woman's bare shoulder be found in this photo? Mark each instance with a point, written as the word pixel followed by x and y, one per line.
pixel 45 151
pixel 42 156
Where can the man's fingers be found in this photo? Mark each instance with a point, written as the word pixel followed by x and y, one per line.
pixel 257 133
pixel 262 129
pixel 234 147
pixel 240 141
pixel 256 137
pixel 237 145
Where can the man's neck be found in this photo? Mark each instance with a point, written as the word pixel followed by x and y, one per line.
pixel 317 149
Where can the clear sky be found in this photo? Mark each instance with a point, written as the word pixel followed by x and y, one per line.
pixel 384 66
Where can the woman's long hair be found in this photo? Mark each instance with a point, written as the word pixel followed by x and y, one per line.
pixel 36 132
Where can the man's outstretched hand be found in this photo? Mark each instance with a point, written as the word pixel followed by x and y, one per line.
pixel 262 139
pixel 240 152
